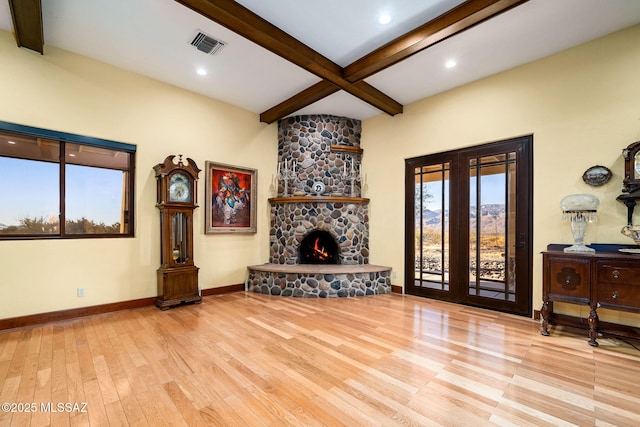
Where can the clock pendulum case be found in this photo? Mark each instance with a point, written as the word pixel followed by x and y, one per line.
pixel 176 200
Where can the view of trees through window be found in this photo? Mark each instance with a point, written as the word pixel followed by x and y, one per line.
pixel 46 180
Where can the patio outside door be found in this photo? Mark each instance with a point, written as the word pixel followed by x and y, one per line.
pixel 469 226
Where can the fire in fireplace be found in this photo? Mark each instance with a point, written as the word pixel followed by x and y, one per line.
pixel 318 247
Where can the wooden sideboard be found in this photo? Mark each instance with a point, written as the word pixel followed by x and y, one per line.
pixel 607 278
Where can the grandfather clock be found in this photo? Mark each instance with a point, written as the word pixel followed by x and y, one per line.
pixel 631 181
pixel 176 199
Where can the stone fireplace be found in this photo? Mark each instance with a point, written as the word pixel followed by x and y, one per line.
pixel 319 237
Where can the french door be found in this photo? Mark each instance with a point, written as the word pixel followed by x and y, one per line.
pixel 469 225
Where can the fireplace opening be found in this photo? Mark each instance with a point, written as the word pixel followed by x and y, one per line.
pixel 318 247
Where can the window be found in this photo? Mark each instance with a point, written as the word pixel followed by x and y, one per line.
pixel 63 185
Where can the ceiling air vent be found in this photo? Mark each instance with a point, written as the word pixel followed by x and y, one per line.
pixel 207 44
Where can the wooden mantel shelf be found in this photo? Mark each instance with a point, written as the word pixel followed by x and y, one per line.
pixel 346 149
pixel 318 199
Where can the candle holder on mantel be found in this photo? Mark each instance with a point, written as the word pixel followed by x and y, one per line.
pixel 579 210
pixel 355 175
pixel 336 179
pixel 286 173
pixel 349 174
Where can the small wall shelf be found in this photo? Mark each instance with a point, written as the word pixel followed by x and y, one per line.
pixel 630 200
pixel 346 149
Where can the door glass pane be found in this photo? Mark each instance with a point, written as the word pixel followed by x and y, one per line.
pixel 432 226
pixel 511 227
pixel 492 226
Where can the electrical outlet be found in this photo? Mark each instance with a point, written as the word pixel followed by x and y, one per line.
pixel 81 292
pixel 395 274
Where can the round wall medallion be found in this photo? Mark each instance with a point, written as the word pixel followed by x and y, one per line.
pixel 597 175
pixel 318 187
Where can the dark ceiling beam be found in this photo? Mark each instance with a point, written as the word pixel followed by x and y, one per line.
pixel 324 88
pixel 247 24
pixel 318 91
pixel 27 24
pixel 456 20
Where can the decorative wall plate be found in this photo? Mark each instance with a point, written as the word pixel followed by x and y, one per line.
pixel 597 175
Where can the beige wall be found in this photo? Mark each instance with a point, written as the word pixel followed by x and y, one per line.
pixel 582 106
pixel 64 92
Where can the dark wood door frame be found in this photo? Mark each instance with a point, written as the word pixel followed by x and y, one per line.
pixel 459 222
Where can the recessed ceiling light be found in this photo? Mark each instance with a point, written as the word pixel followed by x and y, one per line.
pixel 450 63
pixel 201 72
pixel 384 18
pixel 11 142
pixel 71 155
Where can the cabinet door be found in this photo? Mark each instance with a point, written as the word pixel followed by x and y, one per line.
pixel 567 278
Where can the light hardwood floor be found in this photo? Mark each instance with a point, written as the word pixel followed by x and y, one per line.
pixel 253 360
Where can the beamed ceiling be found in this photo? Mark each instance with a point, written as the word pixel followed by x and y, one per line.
pixel 285 57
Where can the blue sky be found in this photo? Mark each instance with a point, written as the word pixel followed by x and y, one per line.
pixel 492 187
pixel 30 189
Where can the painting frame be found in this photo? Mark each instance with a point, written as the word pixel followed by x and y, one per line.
pixel 231 199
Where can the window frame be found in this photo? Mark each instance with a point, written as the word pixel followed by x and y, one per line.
pixel 63 138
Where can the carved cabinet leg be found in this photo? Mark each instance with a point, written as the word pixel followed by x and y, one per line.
pixel 545 317
pixel 593 326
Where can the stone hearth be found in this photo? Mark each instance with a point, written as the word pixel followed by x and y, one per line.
pixel 319 189
pixel 320 280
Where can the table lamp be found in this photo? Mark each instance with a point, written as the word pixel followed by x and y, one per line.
pixel 579 210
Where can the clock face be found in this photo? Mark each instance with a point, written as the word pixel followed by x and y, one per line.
pixel 179 188
pixel 636 166
pixel 318 187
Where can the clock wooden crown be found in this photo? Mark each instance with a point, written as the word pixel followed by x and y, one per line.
pixel 166 169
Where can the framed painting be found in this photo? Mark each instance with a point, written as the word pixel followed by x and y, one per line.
pixel 230 199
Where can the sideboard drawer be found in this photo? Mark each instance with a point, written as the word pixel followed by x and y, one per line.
pixel 618 272
pixel 622 295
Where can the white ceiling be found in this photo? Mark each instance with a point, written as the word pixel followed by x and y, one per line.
pixel 152 38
